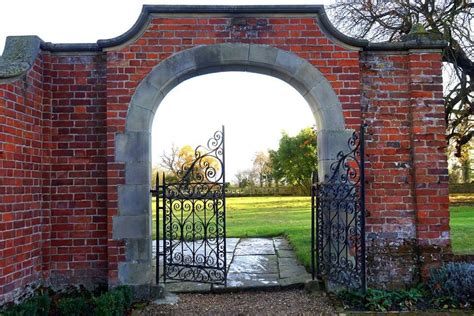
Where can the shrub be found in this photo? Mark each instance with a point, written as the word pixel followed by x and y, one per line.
pixel 378 300
pixel 38 305
pixel 452 284
pixel 383 300
pixel 114 303
pixel 77 303
pixel 407 299
pixel 73 306
pixel 127 295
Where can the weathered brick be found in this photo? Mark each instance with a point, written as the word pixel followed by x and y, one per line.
pixel 59 172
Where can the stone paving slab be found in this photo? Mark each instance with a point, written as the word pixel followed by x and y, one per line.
pixel 282 243
pixel 294 281
pixel 187 287
pixel 292 271
pixel 237 280
pixel 259 264
pixel 231 243
pixel 288 262
pixel 252 263
pixel 282 253
pixel 255 246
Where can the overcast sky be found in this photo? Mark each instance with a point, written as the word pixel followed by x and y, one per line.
pixel 255 109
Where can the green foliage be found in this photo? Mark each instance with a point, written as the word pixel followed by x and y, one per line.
pixel 296 159
pixel 383 300
pixel 127 294
pixel 452 284
pixel 114 303
pixel 73 306
pixel 379 300
pixel 38 305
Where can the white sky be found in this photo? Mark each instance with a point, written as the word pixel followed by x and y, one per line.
pixel 254 108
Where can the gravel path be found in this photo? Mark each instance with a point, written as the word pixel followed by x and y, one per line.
pixel 288 302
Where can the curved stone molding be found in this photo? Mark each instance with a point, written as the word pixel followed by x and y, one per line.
pixel 317 11
pixel 18 56
pixel 297 72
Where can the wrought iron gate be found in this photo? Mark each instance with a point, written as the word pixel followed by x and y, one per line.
pixel 338 219
pixel 192 211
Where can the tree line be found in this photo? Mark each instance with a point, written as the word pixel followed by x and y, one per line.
pixel 292 164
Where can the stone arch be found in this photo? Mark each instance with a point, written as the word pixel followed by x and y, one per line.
pixel 268 60
pixel 133 223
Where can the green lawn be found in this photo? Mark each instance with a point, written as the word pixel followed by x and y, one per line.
pixel 273 216
pixel 462 229
pixel 291 217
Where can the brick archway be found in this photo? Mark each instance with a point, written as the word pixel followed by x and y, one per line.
pixel 74 136
pixel 133 222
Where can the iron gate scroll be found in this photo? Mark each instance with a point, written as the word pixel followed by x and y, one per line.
pixel 192 212
pixel 338 219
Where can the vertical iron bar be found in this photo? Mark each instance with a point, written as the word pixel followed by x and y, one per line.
pixel 313 183
pixel 157 226
pixel 164 226
pixel 224 208
pixel 193 210
pixel 362 204
pixel 319 228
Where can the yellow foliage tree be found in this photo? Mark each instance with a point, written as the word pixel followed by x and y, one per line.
pixel 187 163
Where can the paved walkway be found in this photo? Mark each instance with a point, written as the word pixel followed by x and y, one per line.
pixel 253 263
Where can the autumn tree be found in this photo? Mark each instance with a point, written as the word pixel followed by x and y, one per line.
pixel 295 159
pixel 262 167
pixel 180 164
pixel 450 20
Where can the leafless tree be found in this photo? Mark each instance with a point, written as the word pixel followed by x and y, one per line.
pixel 451 20
pixel 169 160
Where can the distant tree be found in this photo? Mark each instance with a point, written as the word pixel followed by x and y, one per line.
pixel 262 168
pixel 450 20
pixel 460 168
pixel 245 178
pixel 296 159
pixel 154 172
pixel 179 163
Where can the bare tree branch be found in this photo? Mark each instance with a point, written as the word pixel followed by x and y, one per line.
pixel 452 19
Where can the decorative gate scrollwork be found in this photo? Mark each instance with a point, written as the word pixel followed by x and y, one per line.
pixel 192 212
pixel 338 219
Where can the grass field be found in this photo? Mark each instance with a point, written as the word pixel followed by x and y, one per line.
pixel 462 229
pixel 291 217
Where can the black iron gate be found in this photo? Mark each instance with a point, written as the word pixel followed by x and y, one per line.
pixel 338 219
pixel 191 210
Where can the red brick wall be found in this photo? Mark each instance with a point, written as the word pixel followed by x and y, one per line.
pixel 58 189
pixel 21 179
pixel 78 183
pixel 429 157
pixel 407 191
pixel 391 234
